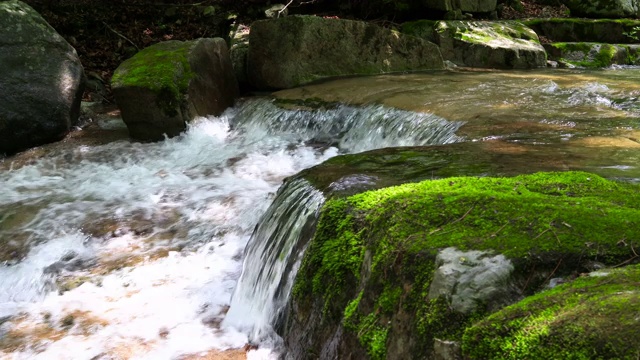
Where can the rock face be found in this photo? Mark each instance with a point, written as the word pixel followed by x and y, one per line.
pixel 494 44
pixel 296 50
pixel 620 31
pixel 42 80
pixel 604 8
pixel 593 55
pixel 474 6
pixel 164 86
pixel 407 272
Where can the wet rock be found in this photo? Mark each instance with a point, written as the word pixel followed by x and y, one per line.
pixel 42 80
pixel 296 50
pixel 489 44
pixel 166 85
pixel 238 53
pixel 593 55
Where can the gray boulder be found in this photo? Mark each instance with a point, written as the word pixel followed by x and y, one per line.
pixel 604 8
pixel 462 5
pixel 42 80
pixel 164 86
pixel 296 50
pixel 490 44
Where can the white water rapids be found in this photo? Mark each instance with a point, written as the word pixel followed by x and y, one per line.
pixel 152 235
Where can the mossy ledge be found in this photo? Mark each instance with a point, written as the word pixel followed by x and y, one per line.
pixel 371 262
pixel 593 317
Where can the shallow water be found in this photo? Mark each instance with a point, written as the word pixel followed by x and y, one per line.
pixel 123 250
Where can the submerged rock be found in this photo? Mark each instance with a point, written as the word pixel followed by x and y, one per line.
pixel 164 86
pixel 42 80
pixel 368 284
pixel 593 55
pixel 296 50
pixel 593 317
pixel 489 44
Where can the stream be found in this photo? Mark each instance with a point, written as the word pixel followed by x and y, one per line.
pixel 112 249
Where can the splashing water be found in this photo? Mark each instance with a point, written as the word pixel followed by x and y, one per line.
pixel 132 251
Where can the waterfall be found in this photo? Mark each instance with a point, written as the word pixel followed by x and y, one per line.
pixel 277 245
pixel 272 259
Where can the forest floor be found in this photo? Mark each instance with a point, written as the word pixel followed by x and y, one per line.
pixel 105 33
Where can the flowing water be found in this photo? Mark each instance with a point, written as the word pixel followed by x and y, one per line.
pixel 124 250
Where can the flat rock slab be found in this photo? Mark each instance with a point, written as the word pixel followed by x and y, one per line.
pixel 296 50
pixel 490 44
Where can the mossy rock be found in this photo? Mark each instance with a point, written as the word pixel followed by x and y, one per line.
pixel 602 9
pixel 365 281
pixel 297 50
pixel 164 86
pixel 613 31
pixel 592 55
pixel 489 44
pixel 593 317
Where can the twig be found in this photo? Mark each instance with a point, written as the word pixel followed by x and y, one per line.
pixel 554 271
pixel 541 234
pixel 120 35
pixel 455 221
pixel 284 8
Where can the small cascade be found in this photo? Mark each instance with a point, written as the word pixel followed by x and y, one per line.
pixel 351 129
pixel 276 247
pixel 272 259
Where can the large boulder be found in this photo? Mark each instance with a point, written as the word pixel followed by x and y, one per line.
pixel 488 44
pixel 473 6
pixel 42 80
pixel 164 86
pixel 296 50
pixel 604 8
pixel 402 272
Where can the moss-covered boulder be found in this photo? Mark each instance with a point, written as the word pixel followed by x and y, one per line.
pixel 487 44
pixel 613 31
pixel 593 55
pixel 599 9
pixel 403 271
pixel 594 317
pixel 164 86
pixel 296 50
pixel 41 83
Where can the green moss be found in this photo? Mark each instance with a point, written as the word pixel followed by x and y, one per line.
pixel 162 68
pixel 595 317
pixel 383 243
pixel 604 58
